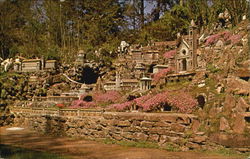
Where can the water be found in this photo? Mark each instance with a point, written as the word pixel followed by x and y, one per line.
pixel 10 152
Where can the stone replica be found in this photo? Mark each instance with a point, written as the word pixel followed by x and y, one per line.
pixel 81 58
pixel 34 65
pixel 6 64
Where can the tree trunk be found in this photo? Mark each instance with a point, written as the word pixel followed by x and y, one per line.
pixel 142 12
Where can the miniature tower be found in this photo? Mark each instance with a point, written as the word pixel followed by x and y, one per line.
pixel 118 81
pixel 193 43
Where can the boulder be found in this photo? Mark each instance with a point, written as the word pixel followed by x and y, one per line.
pixel 199 139
pixel 196 125
pixel 241 105
pixel 239 124
pixel 229 103
pixel 224 125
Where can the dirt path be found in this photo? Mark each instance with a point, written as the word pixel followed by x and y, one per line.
pixel 82 149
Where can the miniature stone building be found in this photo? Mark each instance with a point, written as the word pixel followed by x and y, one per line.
pixel 121 84
pixel 139 70
pixel 186 57
pixel 144 56
pixel 31 65
pixel 129 84
pixel 110 85
pixel 50 64
pixel 80 59
pixel 158 68
pixel 145 83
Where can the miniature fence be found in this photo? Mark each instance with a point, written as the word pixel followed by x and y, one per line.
pixel 56 112
pixel 56 98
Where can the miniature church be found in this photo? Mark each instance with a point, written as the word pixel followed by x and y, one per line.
pixel 186 56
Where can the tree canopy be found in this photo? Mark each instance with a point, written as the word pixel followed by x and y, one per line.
pixel 56 29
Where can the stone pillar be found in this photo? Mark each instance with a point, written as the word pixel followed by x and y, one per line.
pixel 145 83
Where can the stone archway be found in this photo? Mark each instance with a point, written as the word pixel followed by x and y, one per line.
pixel 184 65
pixel 201 101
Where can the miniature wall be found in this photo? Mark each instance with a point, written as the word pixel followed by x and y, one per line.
pixel 178 129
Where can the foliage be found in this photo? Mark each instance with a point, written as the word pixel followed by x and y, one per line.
pixel 181 100
pixel 212 68
pixel 122 106
pixel 99 99
pixel 235 39
pixel 214 38
pixel 161 74
pixel 82 104
pixel 106 97
pixel 169 54
pixel 60 105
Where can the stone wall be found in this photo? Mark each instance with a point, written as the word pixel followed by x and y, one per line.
pixel 6 118
pixel 178 129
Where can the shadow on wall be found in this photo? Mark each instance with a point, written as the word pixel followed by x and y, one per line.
pixel 55 126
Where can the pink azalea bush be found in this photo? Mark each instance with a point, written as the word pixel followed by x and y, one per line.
pixel 139 101
pixel 181 100
pixel 121 106
pixel 235 39
pixel 82 104
pixel 161 74
pixel 214 38
pixel 169 54
pixel 226 36
pixel 107 97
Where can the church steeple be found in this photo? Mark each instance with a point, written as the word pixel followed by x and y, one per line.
pixel 193 43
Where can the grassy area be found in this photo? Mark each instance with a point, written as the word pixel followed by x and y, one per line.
pixel 225 152
pixel 139 144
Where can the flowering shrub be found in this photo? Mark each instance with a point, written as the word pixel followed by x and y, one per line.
pixel 82 104
pixel 122 106
pixel 60 105
pixel 169 54
pixel 155 101
pixel 214 38
pixel 139 101
pixel 235 39
pixel 108 97
pixel 161 74
pixel 182 101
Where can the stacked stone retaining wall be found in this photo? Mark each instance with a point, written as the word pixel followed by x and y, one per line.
pixel 179 130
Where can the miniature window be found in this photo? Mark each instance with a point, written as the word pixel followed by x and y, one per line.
pixel 201 101
pixel 247 119
pixel 167 108
pixel 184 52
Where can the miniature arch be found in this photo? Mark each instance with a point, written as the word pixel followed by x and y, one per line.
pixel 201 99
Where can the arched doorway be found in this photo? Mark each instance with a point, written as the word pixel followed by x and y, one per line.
pixel 184 65
pixel 201 101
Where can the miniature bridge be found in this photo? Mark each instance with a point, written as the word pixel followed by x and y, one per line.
pixel 73 81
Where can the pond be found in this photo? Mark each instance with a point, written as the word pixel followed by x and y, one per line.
pixel 10 152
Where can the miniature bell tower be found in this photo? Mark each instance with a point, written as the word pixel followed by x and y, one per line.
pixel 193 43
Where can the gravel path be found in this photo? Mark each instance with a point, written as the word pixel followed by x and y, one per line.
pixel 83 149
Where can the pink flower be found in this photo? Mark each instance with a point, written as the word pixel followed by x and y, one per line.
pixel 214 38
pixel 121 106
pixel 169 54
pixel 161 74
pixel 235 39
pixel 180 100
pixel 82 104
pixel 107 97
